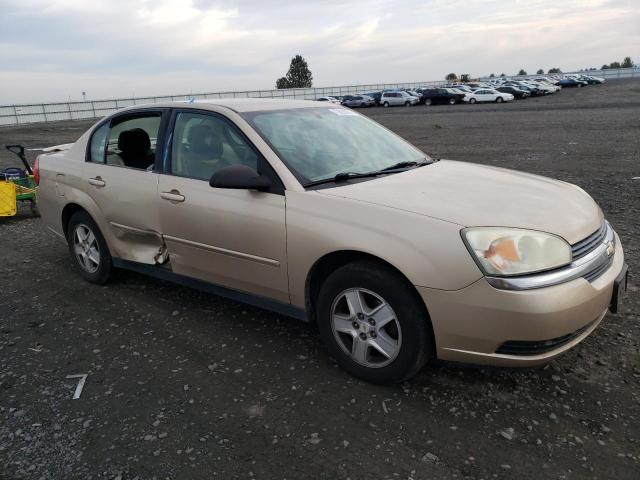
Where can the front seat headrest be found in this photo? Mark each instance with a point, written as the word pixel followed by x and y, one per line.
pixel 204 141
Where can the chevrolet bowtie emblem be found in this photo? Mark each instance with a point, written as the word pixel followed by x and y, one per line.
pixel 610 249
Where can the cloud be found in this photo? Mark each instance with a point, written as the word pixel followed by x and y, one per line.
pixel 53 49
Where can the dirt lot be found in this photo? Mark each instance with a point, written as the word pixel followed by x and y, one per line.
pixel 186 385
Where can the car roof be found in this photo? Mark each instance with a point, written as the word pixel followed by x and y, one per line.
pixel 236 104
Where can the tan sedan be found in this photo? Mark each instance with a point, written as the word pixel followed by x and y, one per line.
pixel 317 212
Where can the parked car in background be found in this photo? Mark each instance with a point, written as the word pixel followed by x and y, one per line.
pixel 572 82
pixel 314 211
pixel 375 95
pixel 435 96
pixel 516 92
pixel 488 95
pixel 392 99
pixel 359 101
pixel 533 91
pixel 328 99
pixel 586 78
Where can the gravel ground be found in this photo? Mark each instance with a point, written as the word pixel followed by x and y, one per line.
pixel 183 384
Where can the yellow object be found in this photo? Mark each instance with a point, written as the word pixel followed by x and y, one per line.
pixel 7 199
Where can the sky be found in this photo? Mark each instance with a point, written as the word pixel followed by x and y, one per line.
pixel 53 50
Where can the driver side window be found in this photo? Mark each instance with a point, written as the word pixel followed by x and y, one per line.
pixel 202 144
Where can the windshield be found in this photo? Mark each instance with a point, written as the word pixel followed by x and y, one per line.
pixel 319 143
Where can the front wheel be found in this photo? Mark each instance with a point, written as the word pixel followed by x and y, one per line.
pixel 427 102
pixel 385 104
pixel 472 101
pixel 407 104
pixel 452 101
pixel 373 323
pixel 89 249
pixel 499 100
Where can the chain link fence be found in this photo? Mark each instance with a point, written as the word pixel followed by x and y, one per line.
pixel 52 112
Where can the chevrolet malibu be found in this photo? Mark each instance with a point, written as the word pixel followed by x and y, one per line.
pixel 314 211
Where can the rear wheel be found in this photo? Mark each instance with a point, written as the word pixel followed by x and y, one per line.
pixel 499 100
pixel 473 100
pixel 373 323
pixel 89 249
pixel 385 104
pixel 427 102
pixel 407 104
pixel 452 101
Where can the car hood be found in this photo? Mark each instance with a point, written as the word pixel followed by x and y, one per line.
pixel 475 195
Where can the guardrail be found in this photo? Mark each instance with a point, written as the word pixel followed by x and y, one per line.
pixel 53 112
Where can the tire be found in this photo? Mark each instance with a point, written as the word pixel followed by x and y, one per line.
pixel 408 336
pixel 472 101
pixel 579 85
pixel 362 105
pixel 452 101
pixel 407 104
pixel 499 100
pixel 81 224
pixel 428 102
pixel 385 104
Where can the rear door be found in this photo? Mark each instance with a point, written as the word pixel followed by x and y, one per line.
pixel 234 238
pixel 121 178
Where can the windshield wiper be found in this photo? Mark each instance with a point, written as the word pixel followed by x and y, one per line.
pixel 402 165
pixel 344 176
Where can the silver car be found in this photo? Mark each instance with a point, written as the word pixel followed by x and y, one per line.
pixel 391 99
pixel 358 101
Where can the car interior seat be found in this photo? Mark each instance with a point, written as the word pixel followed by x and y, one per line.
pixel 135 148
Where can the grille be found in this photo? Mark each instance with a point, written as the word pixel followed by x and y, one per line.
pixel 528 348
pixel 584 247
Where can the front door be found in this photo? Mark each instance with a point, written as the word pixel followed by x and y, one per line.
pixel 234 238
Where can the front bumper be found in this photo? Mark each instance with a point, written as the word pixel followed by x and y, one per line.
pixel 474 324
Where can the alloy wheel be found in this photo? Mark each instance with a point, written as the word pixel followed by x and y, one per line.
pixel 86 248
pixel 365 327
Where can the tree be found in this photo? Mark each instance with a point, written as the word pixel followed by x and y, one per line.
pixel 554 70
pixel 540 71
pixel 465 77
pixel 493 75
pixel 451 76
pixel 604 67
pixel 627 63
pixel 298 76
pixel 614 65
pixel 502 75
pixel 282 82
pixel 522 72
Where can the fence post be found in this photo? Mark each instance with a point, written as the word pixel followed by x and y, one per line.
pixel 15 114
pixel 44 113
pixel 93 109
pixel 69 110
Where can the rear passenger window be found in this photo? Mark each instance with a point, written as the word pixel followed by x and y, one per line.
pixel 132 142
pixel 98 142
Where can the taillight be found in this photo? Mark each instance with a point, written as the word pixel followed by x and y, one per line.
pixel 36 170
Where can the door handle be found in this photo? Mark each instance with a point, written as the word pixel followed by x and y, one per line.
pixel 97 182
pixel 172 196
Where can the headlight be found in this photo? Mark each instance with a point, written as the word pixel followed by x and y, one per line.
pixel 513 251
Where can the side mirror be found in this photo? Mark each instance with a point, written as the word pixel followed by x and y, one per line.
pixel 239 177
